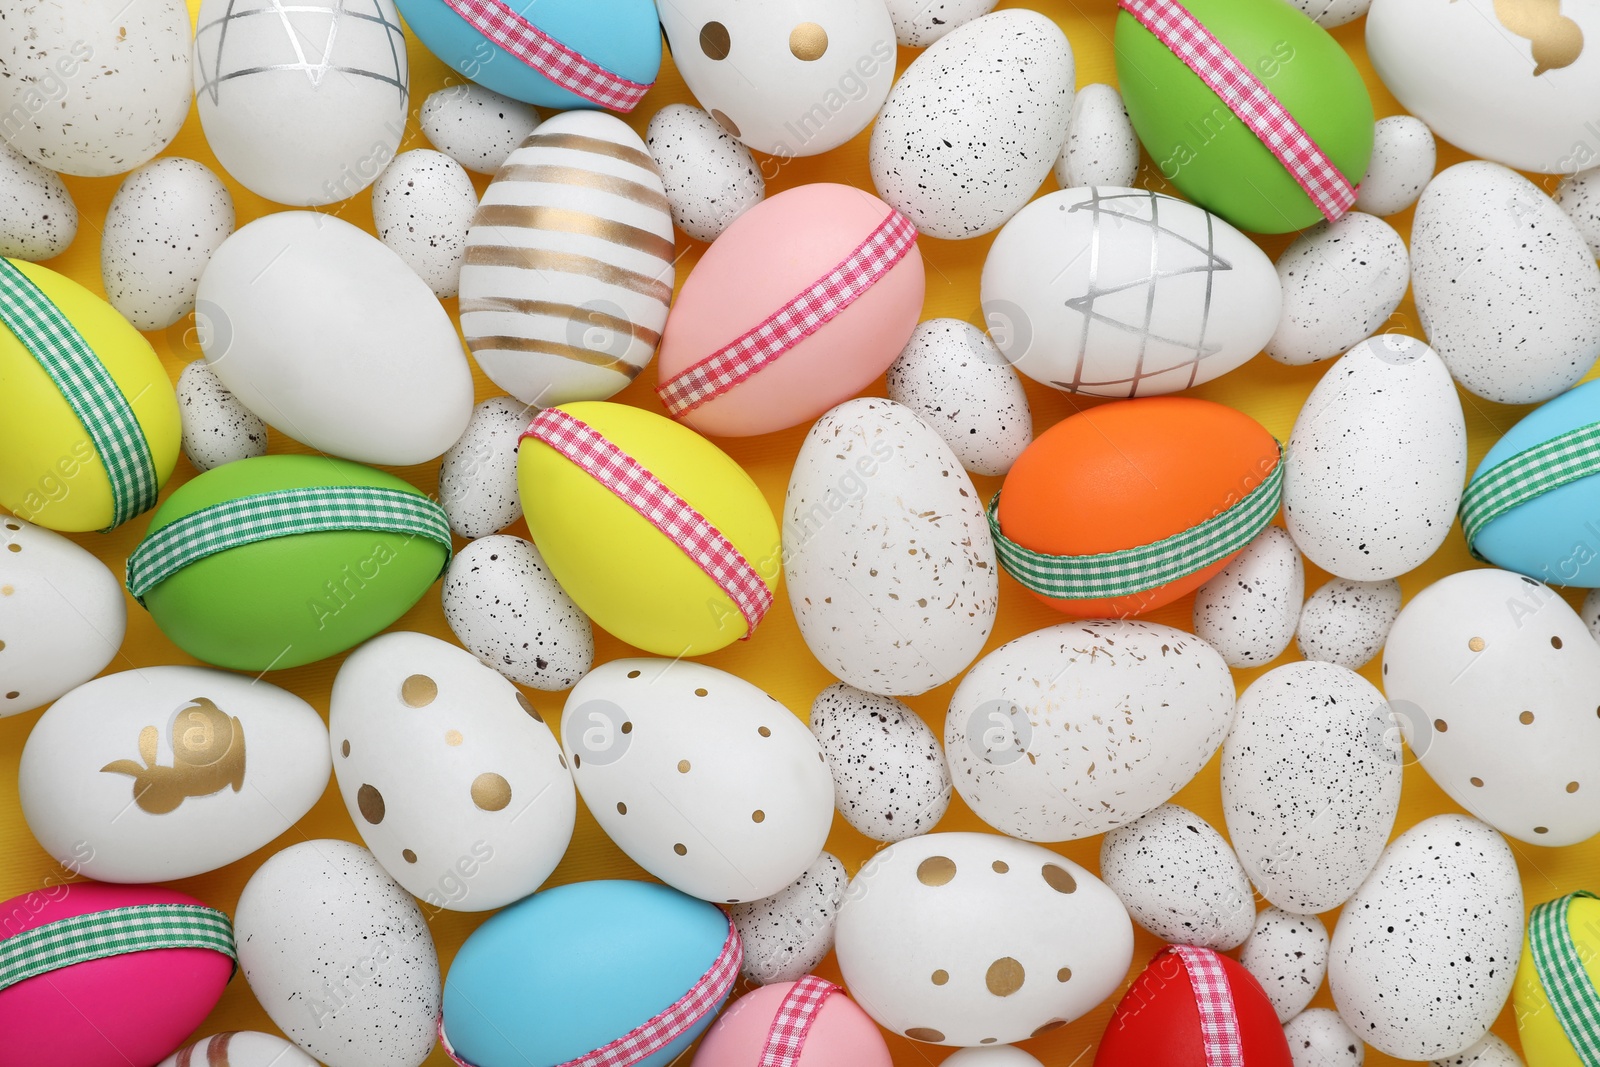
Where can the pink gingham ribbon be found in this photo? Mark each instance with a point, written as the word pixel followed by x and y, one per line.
pixel 567 68
pixel 1219 1022
pixel 665 510
pixel 801 317
pixel 787 1036
pixel 652 1036
pixel 1172 24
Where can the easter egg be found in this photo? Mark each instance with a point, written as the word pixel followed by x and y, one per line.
pixel 702 779
pixel 656 534
pixel 1212 154
pixel 1320 1038
pixel 239 1048
pixel 709 176
pixel 1347 622
pixel 1288 955
pixel 1126 507
pixel 789 933
pixel 1557 958
pixel 217 429
pixel 38 217
pixel 422 206
pixel 951 374
pixel 239 583
pixel 163 224
pixel 1249 610
pixel 1101 147
pixel 1492 1051
pixel 561 54
pixel 122 994
pixel 890 780
pixel 1179 879
pixel 474 126
pixel 89 426
pixel 478 474
pixel 918 23
pixel 1341 282
pixel 800 304
pixel 1403 157
pixel 576 968
pixel 833 1030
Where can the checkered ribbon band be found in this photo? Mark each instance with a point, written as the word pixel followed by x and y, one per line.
pixel 1134 570
pixel 660 506
pixel 1565 981
pixel 787 1036
pixel 1219 1022
pixel 801 317
pixel 1172 24
pixel 1513 482
pixel 100 934
pixel 283 513
pixel 652 1036
pixel 88 388
pixel 568 69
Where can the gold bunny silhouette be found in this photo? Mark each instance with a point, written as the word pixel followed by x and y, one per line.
pixel 1557 40
pixel 207 755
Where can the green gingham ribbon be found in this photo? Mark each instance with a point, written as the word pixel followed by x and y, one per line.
pixel 1512 482
pixel 282 513
pixel 99 934
pixel 88 388
pixel 1563 977
pixel 1135 570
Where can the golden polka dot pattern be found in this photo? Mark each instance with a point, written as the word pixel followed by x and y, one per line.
pixel 1000 866
pixel 452 738
pixel 924 1033
pixel 1476 644
pixel 1004 977
pixel 1053 1024
pixel 527 706
pixel 683 766
pixel 1440 725
pixel 1064 974
pixel 344 750
pixel 1059 879
pixel 491 792
pixel 418 691
pixel 1526 718
pixel 758 816
pixel 370 803
pixel 1572 787
pixel 936 871
pixel 407 855
pixel 680 850
pixel 725 122
pixel 941 977
pixel 808 42
pixel 714 41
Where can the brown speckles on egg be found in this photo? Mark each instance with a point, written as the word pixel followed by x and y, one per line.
pixel 890 777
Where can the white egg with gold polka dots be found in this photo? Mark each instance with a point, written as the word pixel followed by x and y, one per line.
pixel 976 939
pixel 451 775
pixel 704 780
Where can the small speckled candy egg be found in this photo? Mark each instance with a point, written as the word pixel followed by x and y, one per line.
pixel 710 177
pixel 217 429
pixel 1590 612
pixel 164 223
pixel 1319 1038
pixel 478 476
pixel 38 218
pixel 1579 197
pixel 787 934
pixel 476 127
pixel 1347 622
pixel 340 956
pixel 890 780
pixel 506 608
pixel 1426 952
pixel 422 206
pixel 1341 281
pixel 1492 1051
pixel 1288 955
pixel 242 1048
pixel 991 1056
pixel 1248 611
pixel 1101 147
pixel 1331 13
pixel 1179 879
pixel 1403 158
pixel 919 23
pixel 953 376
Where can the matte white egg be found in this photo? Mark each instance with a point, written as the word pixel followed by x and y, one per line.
pixel 919 23
pixel 240 1048
pixel 789 933
pixel 1492 1051
pixel 164 223
pixel 1249 610
pixel 1403 158
pixel 1331 13
pixel 38 218
pixel 1101 148
pixel 1319 1038
pixel 476 127
pixel 217 429
pixel 1341 281
pixel 991 1056
pixel 890 781
pixel 422 205
pixel 709 176
pixel 952 375
pixel 1288 955
pixel 478 475
pixel 1347 622
pixel 1579 196
pixel 1179 879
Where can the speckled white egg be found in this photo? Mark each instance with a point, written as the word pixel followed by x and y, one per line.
pixel 1403 158
pixel 1347 622
pixel 1590 612
pixel 1101 147
pixel 164 223
pixel 1249 610
pixel 1319 1038
pixel 890 780
pixel 705 781
pixel 973 939
pixel 476 127
pixel 1288 955
pixel 1341 281
pixel 1579 196
pixel 1505 285
pixel 340 956
pixel 919 23
pixel 1310 783
pixel 787 934
pixel 1376 461
pixel 1331 13
pixel 422 205
pixel 991 1056
pixel 478 475
pixel 239 1048
pixel 1492 1051
pixel 1072 730
pixel 38 218
pixel 969 133
pixel 217 429
pixel 1425 953
pixel 1179 879
pixel 506 608
pixel 94 87
pixel 952 375
pixel 710 177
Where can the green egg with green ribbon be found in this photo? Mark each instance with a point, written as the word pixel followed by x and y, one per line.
pixel 1248 107
pixel 279 561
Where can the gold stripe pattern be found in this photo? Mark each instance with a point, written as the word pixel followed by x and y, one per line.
pixel 577 142
pixel 586 356
pixel 558 310
pixel 587 179
pixel 567 263
pixel 561 220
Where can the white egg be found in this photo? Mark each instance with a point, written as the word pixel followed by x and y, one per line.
pixel 1492 1051
pixel 968 133
pixel 952 375
pixel 478 475
pixel 217 429
pixel 62 616
pixel 1590 612
pixel 1403 158
pixel 506 608
pixel 709 176
pixel 789 933
pixel 476 127
pixel 164 223
pixel 1579 196
pixel 240 1048
pixel 1179 879
pixel 933 945
pixel 1331 13
pixel 991 1056
pixel 1319 1038
pixel 704 780
pixel 1341 281
pixel 890 781
pixel 1424 955
pixel 1101 147
pixel 169 772
pixel 1347 622
pixel 919 23
pixel 38 218
pixel 340 956
pixel 1505 285
pixel 422 206
pixel 1079 728
pixel 1288 955
pixel 1249 610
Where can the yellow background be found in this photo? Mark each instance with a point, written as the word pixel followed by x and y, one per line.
pixel 775 659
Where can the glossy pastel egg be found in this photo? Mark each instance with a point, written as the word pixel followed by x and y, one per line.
pixel 506 608
pixel 1249 610
pixel 919 23
pixel 1319 1038
pixel 709 176
pixel 1492 1051
pixel 38 218
pixel 1288 955
pixel 476 127
pixel 422 205
pixel 789 933
pixel 1403 158
pixel 890 780
pixel 1541 1031
pixel 1158 1019
pixel 1101 147
pixel 478 475
pixel 1179 879
pixel 244 1048
pixel 952 375
pixel 217 429
pixel 1341 281
pixel 1347 622
pixel 839 1032
pixel 164 223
